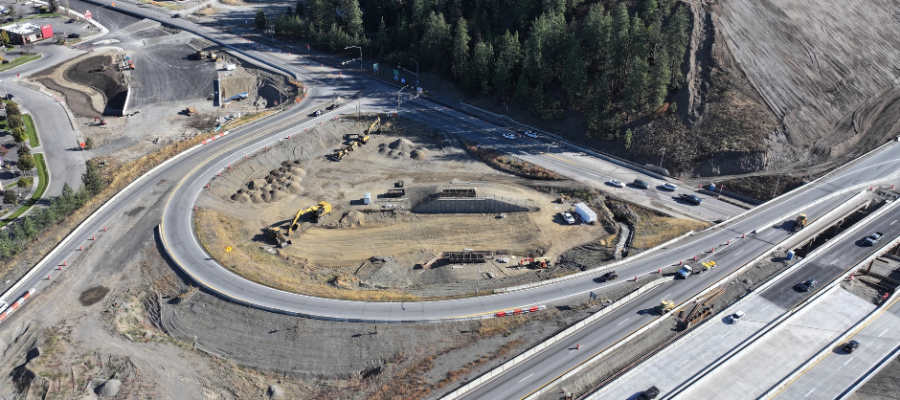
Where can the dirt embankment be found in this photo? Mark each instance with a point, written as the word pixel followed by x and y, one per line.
pixel 99 73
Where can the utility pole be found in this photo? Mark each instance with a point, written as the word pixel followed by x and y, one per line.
pixel 398 100
pixel 663 156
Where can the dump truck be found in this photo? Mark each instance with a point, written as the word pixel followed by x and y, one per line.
pixel 685 271
pixel 665 306
pixel 800 222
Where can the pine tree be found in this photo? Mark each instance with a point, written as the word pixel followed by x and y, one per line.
pixel 300 9
pixel 620 38
pixel 321 13
pixel 628 138
pixel 596 38
pixel 479 71
pixel 639 39
pixel 554 6
pixel 460 49
pixel 675 35
pixel 261 21
pixel 382 40
pixel 509 52
pixel 434 39
pixel 29 228
pixel 353 24
pixel 91 178
pixel 575 74
pixel 9 196
pixel 636 86
pixel 647 9
pixel 659 80
pixel 289 13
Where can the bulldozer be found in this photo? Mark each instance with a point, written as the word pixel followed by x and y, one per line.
pixel 191 111
pixel 338 155
pixel 361 138
pixel 800 222
pixel 665 306
pixel 352 146
pixel 276 234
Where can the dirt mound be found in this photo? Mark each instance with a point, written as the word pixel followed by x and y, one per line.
pixel 242 198
pixel 275 392
pixel 353 218
pixel 277 185
pixel 419 154
pixel 109 388
pixel 403 145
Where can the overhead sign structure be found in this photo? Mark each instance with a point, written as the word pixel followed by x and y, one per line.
pixel 87 14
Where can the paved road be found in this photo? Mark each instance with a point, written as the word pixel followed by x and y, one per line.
pixel 833 375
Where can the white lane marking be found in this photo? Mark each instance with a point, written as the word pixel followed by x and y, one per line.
pixel 810 392
pixel 895 221
pixel 620 323
pixel 832 263
pixel 529 376
pixel 764 308
pixel 723 337
pixel 685 362
pixel 882 333
pixel 666 296
pixel 851 359
pixel 739 253
pixel 770 233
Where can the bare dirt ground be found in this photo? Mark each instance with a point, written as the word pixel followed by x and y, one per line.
pixel 379 245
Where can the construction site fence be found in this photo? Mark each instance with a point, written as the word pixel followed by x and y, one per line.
pixel 573 145
pixel 527 354
pixel 715 285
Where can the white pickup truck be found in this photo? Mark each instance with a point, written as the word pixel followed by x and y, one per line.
pixel 873 238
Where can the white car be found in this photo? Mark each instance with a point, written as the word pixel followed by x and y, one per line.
pixel 670 187
pixel 568 217
pixel 509 136
pixel 617 183
pixel 531 134
pixel 736 317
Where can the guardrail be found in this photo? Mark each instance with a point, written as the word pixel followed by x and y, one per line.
pixel 869 375
pixel 527 354
pixel 788 380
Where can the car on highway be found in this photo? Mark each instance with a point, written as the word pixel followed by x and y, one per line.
pixel 641 184
pixel 648 394
pixel 568 217
pixel 850 346
pixel 9 96
pixel 873 238
pixel 74 36
pixel 670 187
pixel 510 136
pixel 807 285
pixel 531 134
pixel 736 317
pixel 318 113
pixel 617 183
pixel 609 276
pixel 177 15
pixel 690 198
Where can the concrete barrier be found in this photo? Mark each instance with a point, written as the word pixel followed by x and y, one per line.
pixel 845 395
pixel 527 354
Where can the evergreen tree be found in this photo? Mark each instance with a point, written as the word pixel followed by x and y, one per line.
pixel 575 75
pixel 597 26
pixel 382 41
pixel 29 228
pixel 647 9
pixel 675 35
pixel 628 138
pixel 620 38
pixel 523 88
pixel 91 178
pixel 553 6
pixel 460 49
pixel 88 143
pixel 421 9
pixel 289 14
pixel 436 35
pixel 509 52
pixel 300 9
pixel 261 21
pixel 321 13
pixel 9 196
pixel 479 74
pixel 353 23
pixel 639 39
pixel 26 162
pixel 636 86
pixel 659 80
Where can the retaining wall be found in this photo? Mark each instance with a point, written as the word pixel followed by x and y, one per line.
pixel 470 206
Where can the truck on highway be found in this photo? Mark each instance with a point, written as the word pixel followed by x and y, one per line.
pixel 685 271
pixel 873 238
pixel 800 222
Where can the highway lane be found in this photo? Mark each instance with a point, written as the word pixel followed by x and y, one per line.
pixel 558 360
pixel 824 266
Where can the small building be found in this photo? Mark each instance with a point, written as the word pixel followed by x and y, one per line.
pixel 26 32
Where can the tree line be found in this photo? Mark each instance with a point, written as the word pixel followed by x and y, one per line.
pixel 613 60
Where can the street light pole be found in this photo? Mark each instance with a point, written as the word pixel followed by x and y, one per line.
pixel 398 100
pixel 417 71
pixel 360 56
pixel 662 157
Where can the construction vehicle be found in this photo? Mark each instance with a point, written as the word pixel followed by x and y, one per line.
pixel 352 146
pixel 339 155
pixel 321 210
pixel 708 265
pixel 361 138
pixel 374 124
pixel 191 111
pixel 800 222
pixel 100 121
pixel 394 193
pixel 685 271
pixel 534 262
pixel 665 306
pixel 276 234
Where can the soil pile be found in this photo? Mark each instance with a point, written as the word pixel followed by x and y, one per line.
pixel 402 148
pixel 110 388
pixel 419 154
pixel 277 185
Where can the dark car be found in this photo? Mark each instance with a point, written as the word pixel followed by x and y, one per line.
pixel 10 19
pixel 609 276
pixel 176 16
pixel 690 198
pixel 641 184
pixel 808 285
pixel 850 346
pixel 648 394
pixel 74 36
pixel 9 96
